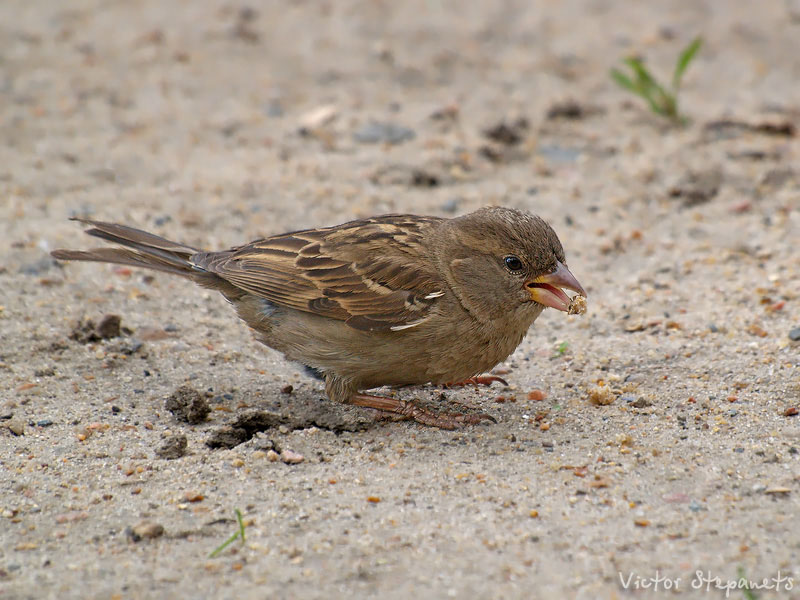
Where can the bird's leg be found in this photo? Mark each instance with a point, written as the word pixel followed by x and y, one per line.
pixel 410 410
pixel 486 380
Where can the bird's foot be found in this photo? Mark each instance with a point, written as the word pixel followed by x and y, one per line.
pixel 409 410
pixel 486 380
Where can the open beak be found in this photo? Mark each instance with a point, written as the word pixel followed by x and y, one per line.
pixel 547 289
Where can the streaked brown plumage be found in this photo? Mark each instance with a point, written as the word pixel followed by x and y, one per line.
pixel 391 300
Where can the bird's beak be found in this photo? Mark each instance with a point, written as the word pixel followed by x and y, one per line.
pixel 546 289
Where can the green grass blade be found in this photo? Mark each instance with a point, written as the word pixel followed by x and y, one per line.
pixel 241 524
pixel 643 77
pixel 223 545
pixel 233 538
pixel 684 59
pixel 746 591
pixel 623 80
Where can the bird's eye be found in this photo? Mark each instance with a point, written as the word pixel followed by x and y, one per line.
pixel 512 263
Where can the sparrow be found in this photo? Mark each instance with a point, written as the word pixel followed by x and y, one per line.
pixel 391 300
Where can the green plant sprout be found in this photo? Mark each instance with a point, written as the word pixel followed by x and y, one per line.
pixel 230 540
pixel 661 100
pixel 561 349
pixel 746 591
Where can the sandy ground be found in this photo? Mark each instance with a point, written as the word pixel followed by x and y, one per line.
pixel 215 123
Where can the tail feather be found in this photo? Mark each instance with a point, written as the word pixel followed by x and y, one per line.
pixel 142 249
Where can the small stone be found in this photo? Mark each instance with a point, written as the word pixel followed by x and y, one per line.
pixel 273 456
pixel 16 426
pixel 451 205
pixel 317 117
pixel 601 396
pixel 794 334
pixel 287 389
pixel 145 530
pixel 39 266
pixel 174 446
pixel 536 395
pixel 568 109
pixel 641 403
pixel 792 411
pixel 376 132
pixel 697 187
pixel 126 346
pixel 509 134
pixel 291 458
pixel 237 462
pixel 695 506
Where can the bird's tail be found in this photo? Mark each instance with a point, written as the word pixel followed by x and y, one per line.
pixel 141 249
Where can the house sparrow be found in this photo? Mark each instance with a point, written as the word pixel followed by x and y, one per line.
pixel 391 300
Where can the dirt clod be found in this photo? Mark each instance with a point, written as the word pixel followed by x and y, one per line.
pixel 173 447
pixel 188 405
pixel 86 331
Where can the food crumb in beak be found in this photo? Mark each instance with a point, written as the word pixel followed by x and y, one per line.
pixel 577 306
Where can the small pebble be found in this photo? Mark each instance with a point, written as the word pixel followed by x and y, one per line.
pixel 601 396
pixel 145 530
pixel 291 458
pixel 273 456
pixel 16 426
pixel 376 132
pixel 451 205
pixel 695 506
pixel 794 334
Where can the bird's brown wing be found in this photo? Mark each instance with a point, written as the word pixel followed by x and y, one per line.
pixel 374 274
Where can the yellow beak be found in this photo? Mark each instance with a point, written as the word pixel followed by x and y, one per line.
pixel 546 289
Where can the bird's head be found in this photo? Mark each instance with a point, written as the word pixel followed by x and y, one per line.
pixel 500 259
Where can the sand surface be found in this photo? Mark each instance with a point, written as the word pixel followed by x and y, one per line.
pixel 215 123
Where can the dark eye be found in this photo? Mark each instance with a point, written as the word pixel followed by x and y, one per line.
pixel 512 263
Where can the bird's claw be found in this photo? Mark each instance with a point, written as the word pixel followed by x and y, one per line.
pixel 486 380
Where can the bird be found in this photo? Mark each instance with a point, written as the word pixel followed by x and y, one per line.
pixel 391 300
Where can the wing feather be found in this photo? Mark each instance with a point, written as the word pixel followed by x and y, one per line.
pixel 373 274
